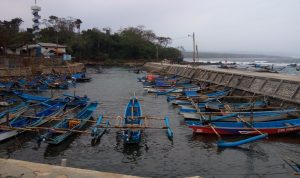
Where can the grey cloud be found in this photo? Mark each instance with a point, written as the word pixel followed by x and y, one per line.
pixel 264 26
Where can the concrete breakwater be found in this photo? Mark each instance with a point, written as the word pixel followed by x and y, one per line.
pixel 280 87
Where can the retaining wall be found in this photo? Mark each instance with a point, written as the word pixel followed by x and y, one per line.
pixel 27 71
pixel 279 86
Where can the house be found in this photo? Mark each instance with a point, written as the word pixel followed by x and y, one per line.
pixel 45 49
pixel 15 49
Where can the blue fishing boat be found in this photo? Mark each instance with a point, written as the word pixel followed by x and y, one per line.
pixel 258 116
pixel 294 165
pixel 70 100
pixel 243 128
pixel 29 97
pixel 97 131
pixel 169 130
pixel 69 125
pixel 18 125
pixel 81 77
pixel 260 130
pixel 132 118
pixel 13 112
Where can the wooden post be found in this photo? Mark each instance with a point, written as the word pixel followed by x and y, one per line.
pixel 63 162
pixel 218 135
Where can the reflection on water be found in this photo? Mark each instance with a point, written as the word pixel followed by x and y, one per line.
pixel 55 150
pixel 155 156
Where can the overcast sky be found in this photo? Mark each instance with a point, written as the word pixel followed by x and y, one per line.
pixel 247 26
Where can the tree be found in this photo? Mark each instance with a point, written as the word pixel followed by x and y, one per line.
pixel 9 31
pixel 164 41
pixel 93 44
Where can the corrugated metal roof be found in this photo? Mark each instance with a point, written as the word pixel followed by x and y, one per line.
pixel 51 45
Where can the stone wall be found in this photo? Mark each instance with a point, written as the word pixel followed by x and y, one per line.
pixel 27 71
pixel 278 86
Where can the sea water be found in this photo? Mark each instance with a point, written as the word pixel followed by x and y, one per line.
pixel 156 156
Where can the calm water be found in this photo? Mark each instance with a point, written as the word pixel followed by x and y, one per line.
pixel 187 155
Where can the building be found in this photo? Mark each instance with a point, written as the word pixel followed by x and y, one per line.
pixel 45 49
pixel 15 49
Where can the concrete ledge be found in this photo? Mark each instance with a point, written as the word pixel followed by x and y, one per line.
pixel 15 168
pixel 279 86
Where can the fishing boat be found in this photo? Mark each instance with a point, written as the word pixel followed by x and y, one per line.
pixel 166 90
pixel 13 112
pixel 66 127
pixel 81 77
pixel 258 116
pixel 19 124
pixel 198 98
pixel 132 118
pixel 294 165
pixel 97 131
pixel 70 100
pixel 243 128
pixel 29 97
pixel 220 107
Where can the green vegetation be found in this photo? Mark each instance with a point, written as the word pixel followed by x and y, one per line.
pixel 10 33
pixel 93 44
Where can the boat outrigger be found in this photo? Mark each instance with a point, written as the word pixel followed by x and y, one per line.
pixel 132 124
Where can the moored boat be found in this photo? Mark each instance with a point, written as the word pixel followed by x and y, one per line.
pixel 132 118
pixel 66 127
pixel 241 128
pixel 18 125
pixel 13 112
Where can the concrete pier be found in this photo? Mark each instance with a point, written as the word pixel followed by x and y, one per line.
pixel 15 168
pixel 282 87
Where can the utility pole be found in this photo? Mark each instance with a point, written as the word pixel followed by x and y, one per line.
pixel 197 53
pixel 156 52
pixel 194 48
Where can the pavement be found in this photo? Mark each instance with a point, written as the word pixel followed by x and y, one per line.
pixel 10 168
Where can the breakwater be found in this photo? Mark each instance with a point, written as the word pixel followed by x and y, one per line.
pixel 282 88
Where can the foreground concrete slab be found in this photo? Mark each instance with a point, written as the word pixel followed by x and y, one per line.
pixel 15 168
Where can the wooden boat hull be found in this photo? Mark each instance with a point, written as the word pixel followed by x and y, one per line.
pixel 83 116
pixel 257 116
pixel 14 112
pixel 132 114
pixel 238 128
pixel 170 90
pixel 21 122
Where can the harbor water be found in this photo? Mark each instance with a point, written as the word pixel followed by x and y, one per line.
pixel 156 156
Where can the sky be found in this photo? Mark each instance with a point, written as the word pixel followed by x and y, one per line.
pixel 235 26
